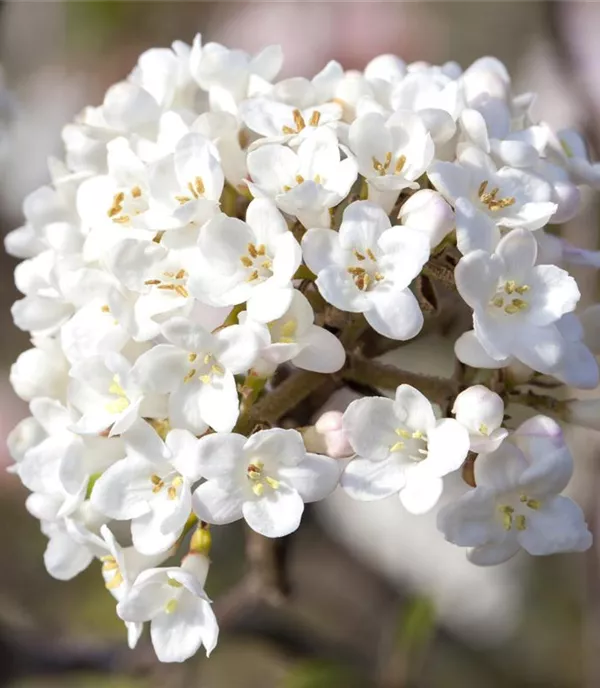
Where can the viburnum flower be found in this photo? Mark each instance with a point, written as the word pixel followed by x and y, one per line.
pixel 367 266
pixel 252 261
pixel 568 149
pixel 120 568
pixel 517 502
pixel 486 198
pixel 280 122
pixel 487 125
pixel 159 276
pixel 196 369
pixel 174 602
pixel 305 183
pixel 516 303
pixel 481 411
pixel 294 337
pixel 60 463
pixel 105 390
pixel 151 486
pixel 186 185
pixel 401 449
pixel 226 74
pixel 219 251
pixel 265 479
pixel 392 154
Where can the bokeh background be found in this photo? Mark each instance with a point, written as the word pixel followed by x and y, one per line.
pixel 376 598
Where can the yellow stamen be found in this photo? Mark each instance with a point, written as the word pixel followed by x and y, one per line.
pixel 314 118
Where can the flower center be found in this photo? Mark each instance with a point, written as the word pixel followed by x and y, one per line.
pixel 299 122
pixel 383 168
pixel 283 333
pixel 110 565
pixel 512 516
pixel 173 281
pixel 413 444
pixel 258 262
pixel 129 199
pixel 204 368
pixel 490 198
pixel 121 402
pixel 365 273
pixel 196 189
pixel 508 297
pixel 255 473
pixel 172 483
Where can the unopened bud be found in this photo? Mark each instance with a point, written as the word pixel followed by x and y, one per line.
pixel 201 540
pixel 328 437
pixel 428 212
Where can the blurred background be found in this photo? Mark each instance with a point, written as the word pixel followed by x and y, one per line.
pixel 376 598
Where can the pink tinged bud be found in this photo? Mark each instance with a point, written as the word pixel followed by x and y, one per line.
pixel 584 412
pixel 328 437
pixel 428 212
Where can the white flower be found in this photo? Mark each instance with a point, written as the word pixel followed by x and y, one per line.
pixel 392 154
pixel 174 602
pixel 105 390
pixel 487 124
pixel 306 183
pixel 367 266
pixel 401 448
pixel 481 411
pixel 427 211
pixel 568 149
pixel 252 261
pixel 264 479
pixel 281 122
pixel 151 486
pixel 120 568
pixel 73 542
pixel 197 370
pixel 517 502
pixel 51 221
pixel 54 288
pixel 185 186
pixel 575 365
pixel 160 277
pixel 222 71
pixel 486 198
pixel 40 371
pixel 294 337
pixel 516 303
pixel 61 463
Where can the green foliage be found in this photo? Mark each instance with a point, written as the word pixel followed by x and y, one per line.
pixel 320 674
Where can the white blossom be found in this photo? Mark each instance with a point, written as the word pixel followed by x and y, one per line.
pixel 517 501
pixel 401 449
pixel 367 266
pixel 265 479
pixel 516 303
pixel 174 602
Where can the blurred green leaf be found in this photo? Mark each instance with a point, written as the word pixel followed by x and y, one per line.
pixel 320 674
pixel 417 624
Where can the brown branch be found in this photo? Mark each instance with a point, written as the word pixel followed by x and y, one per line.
pixel 382 376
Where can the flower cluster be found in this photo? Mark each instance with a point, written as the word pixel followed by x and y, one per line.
pixel 213 229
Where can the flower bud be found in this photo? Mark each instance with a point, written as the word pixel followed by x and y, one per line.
pixel 328 437
pixel 39 373
pixel 428 212
pixel 201 540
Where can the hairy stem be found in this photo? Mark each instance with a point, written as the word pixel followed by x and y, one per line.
pixel 383 376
